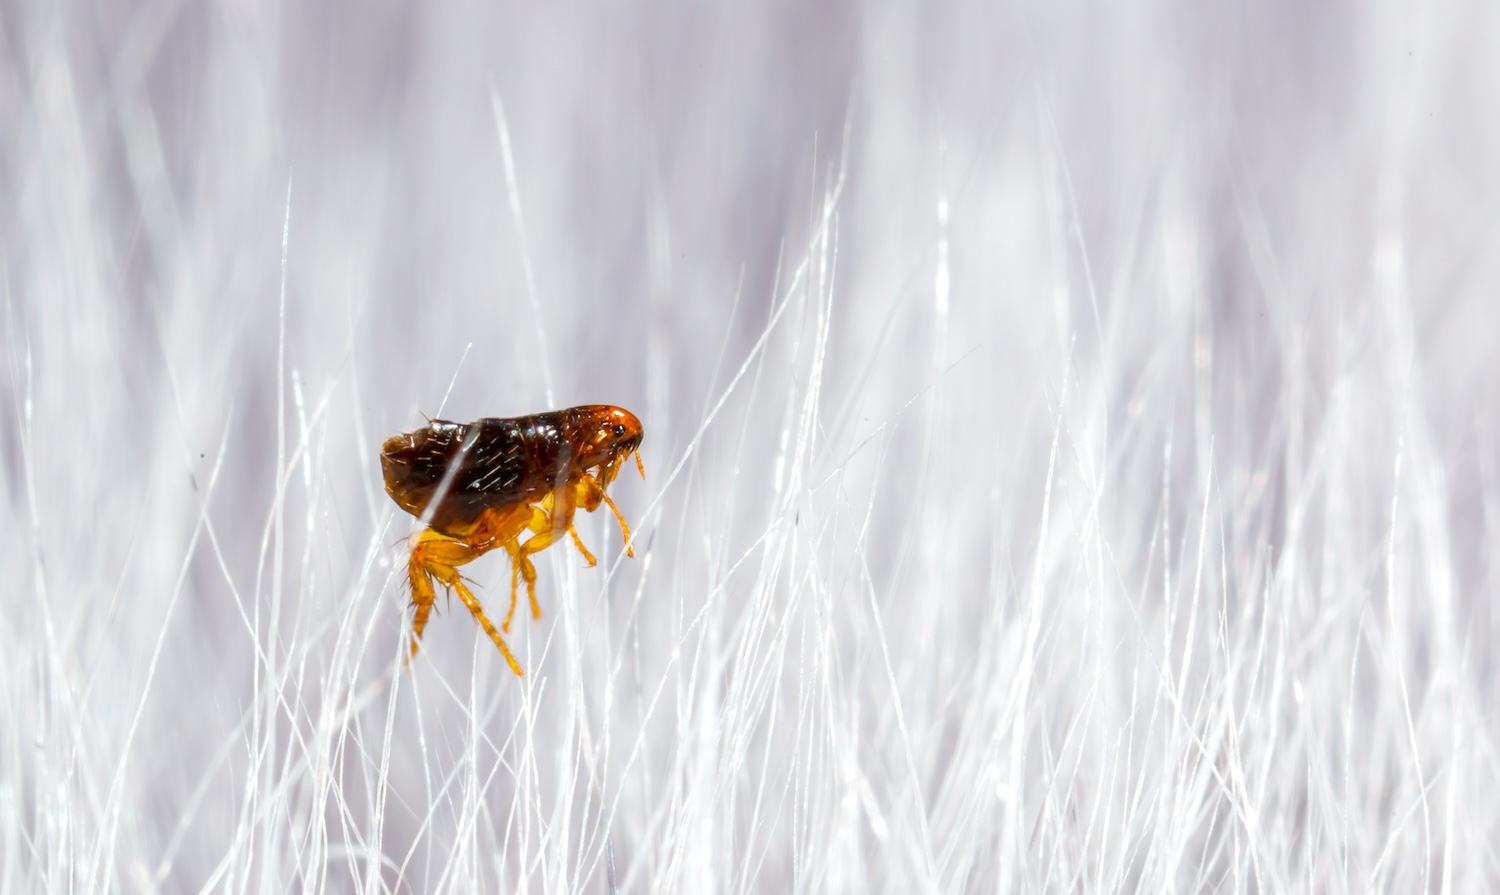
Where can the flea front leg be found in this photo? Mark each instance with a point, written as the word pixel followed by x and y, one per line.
pixel 589 495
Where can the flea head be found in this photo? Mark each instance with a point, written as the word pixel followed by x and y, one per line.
pixel 609 435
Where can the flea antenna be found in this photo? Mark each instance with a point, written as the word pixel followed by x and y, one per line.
pixel 639 465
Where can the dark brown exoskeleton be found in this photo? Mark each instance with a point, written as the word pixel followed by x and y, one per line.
pixel 485 484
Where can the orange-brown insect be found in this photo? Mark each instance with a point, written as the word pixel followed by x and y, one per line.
pixel 484 484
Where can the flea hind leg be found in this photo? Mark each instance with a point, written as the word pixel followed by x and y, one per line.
pixel 437 557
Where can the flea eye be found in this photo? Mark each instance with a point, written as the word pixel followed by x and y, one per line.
pixel 619 431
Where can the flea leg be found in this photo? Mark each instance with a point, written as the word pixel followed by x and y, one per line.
pixel 546 528
pixel 437 557
pixel 583 496
pixel 590 495
pixel 479 616
pixel 422 597
pixel 534 544
pixel 577 542
pixel 540 523
pixel 514 549
pixel 515 571
pixel 624 529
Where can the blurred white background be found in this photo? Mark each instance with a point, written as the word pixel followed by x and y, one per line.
pixel 1070 435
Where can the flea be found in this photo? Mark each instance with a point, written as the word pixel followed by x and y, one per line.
pixel 487 484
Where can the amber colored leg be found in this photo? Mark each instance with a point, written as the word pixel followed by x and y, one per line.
pixel 624 529
pixel 540 523
pixel 422 596
pixel 484 622
pixel 437 557
pixel 590 494
pixel 514 549
pixel 546 529
pixel 534 544
pixel 577 542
